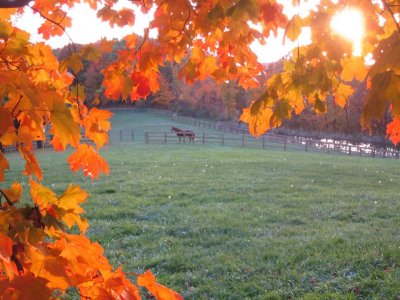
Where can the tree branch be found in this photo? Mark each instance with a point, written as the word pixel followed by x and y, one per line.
pixel 13 3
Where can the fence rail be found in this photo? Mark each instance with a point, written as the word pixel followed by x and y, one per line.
pixel 244 140
pixel 308 144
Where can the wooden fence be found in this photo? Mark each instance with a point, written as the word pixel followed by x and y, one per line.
pixel 244 140
pixel 308 144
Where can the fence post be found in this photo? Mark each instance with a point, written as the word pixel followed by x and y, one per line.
pixel 133 136
pixel 165 137
pixel 203 137
pixel 223 139
pixel 284 144
pixel 146 134
pixel 349 150
pixel 120 135
pixel 263 142
pixel 373 153
pixel 328 144
pixel 242 140
pixel 306 146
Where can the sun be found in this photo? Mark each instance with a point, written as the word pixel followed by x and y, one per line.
pixel 349 23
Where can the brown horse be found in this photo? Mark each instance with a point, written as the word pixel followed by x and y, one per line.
pixel 183 134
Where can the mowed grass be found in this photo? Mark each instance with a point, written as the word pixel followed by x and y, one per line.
pixel 233 223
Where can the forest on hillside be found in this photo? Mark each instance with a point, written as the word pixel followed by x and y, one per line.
pixel 224 101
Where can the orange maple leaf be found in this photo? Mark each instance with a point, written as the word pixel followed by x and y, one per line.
pixel 160 292
pixel 26 286
pixel 97 125
pixel 86 158
pixel 144 84
pixel 46 263
pixel 32 166
pixel 5 247
pixel 393 130
pixel 5 120
pixel 116 82
pixel 86 262
pixel 3 166
pixel 121 18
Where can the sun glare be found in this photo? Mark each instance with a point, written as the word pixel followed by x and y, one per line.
pixel 349 23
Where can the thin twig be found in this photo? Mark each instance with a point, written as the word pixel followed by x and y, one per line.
pixel 6 197
pixel 392 14
pixel 55 23
pixel 181 31
pixel 16 105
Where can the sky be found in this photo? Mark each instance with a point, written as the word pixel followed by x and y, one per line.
pixel 87 28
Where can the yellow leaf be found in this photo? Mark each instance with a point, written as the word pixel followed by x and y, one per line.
pixel 258 115
pixel 353 68
pixel 293 28
pixel 296 99
pixel 90 52
pixel 5 30
pixel 207 67
pixel 41 195
pixel 72 218
pixel 197 55
pixel 6 13
pixel 342 93
pixel 64 126
pixel 72 198
pixel 72 61
pixel 97 125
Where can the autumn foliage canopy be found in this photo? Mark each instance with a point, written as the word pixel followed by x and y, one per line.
pixel 41 97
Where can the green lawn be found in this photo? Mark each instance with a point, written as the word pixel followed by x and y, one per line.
pixel 234 223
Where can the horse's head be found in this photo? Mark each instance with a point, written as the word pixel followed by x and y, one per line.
pixel 175 129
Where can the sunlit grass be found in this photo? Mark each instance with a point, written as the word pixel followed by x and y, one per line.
pixel 232 223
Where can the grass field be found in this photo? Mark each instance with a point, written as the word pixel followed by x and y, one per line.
pixel 233 223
